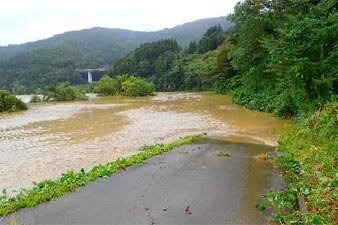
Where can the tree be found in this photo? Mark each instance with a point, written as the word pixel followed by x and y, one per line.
pixel 213 38
pixel 142 61
pixel 192 48
pixel 124 85
pixel 106 86
pixel 284 55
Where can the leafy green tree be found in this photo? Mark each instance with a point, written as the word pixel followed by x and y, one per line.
pixel 142 61
pixel 213 38
pixel 124 85
pixel 106 86
pixel 284 55
pixel 193 48
pixel 134 87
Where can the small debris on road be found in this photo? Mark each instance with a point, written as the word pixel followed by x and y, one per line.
pixel 183 152
pixel 187 210
pixel 263 157
pixel 222 154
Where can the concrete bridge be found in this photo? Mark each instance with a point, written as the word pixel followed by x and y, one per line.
pixel 90 72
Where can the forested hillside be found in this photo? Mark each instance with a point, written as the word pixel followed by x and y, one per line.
pixel 56 59
pixel 172 68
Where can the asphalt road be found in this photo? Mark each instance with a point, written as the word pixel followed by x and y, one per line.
pixel 190 185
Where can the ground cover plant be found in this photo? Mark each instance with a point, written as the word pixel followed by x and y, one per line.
pixel 50 189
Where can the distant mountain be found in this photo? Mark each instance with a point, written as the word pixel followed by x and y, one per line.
pixel 56 59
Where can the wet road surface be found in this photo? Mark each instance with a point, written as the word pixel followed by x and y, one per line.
pixel 189 185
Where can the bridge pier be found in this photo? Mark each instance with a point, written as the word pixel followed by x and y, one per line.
pixel 90 77
pixel 89 73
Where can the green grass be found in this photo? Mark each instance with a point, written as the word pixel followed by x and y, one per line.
pixel 50 189
pixel 308 157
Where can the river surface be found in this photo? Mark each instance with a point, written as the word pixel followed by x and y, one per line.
pixel 52 138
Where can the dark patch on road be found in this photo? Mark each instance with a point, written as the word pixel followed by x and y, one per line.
pixel 173 188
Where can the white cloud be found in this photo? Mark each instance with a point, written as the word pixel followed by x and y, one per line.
pixel 23 20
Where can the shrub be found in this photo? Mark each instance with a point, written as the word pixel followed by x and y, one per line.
pixel 63 92
pixel 36 98
pixel 134 86
pixel 124 85
pixel 106 86
pixel 9 103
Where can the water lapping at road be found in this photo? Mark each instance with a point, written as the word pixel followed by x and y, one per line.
pixel 50 139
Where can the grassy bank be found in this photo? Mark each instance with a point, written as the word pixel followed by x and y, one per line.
pixel 49 189
pixel 308 157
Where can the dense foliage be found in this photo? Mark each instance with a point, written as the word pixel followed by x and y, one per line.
pixel 106 86
pixel 213 38
pixel 144 61
pixel 63 92
pixel 171 68
pixel 308 156
pixel 55 60
pixel 126 85
pixel 285 55
pixel 9 103
pixel 49 189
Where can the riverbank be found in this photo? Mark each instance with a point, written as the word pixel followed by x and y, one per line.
pixel 308 157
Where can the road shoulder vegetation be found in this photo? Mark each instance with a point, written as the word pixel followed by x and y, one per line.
pixel 50 189
pixel 307 155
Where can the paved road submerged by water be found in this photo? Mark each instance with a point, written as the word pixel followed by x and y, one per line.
pixel 50 139
pixel 190 185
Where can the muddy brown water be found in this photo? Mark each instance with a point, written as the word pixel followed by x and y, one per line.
pixel 52 138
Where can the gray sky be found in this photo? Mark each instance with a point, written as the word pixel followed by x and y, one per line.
pixel 29 20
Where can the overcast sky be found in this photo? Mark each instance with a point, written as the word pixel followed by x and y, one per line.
pixel 29 20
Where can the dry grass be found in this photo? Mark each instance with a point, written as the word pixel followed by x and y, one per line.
pixel 263 157
pixel 12 221
pixel 222 154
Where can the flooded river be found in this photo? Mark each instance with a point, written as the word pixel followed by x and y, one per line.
pixel 52 138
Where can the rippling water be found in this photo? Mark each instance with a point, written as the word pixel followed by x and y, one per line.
pixel 52 138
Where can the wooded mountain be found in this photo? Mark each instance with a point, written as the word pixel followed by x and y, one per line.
pixel 56 59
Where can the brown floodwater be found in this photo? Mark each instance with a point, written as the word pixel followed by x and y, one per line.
pixel 52 138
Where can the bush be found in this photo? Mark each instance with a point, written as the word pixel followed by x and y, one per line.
pixel 86 88
pixel 106 86
pixel 63 92
pixel 9 103
pixel 36 98
pixel 124 85
pixel 134 86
